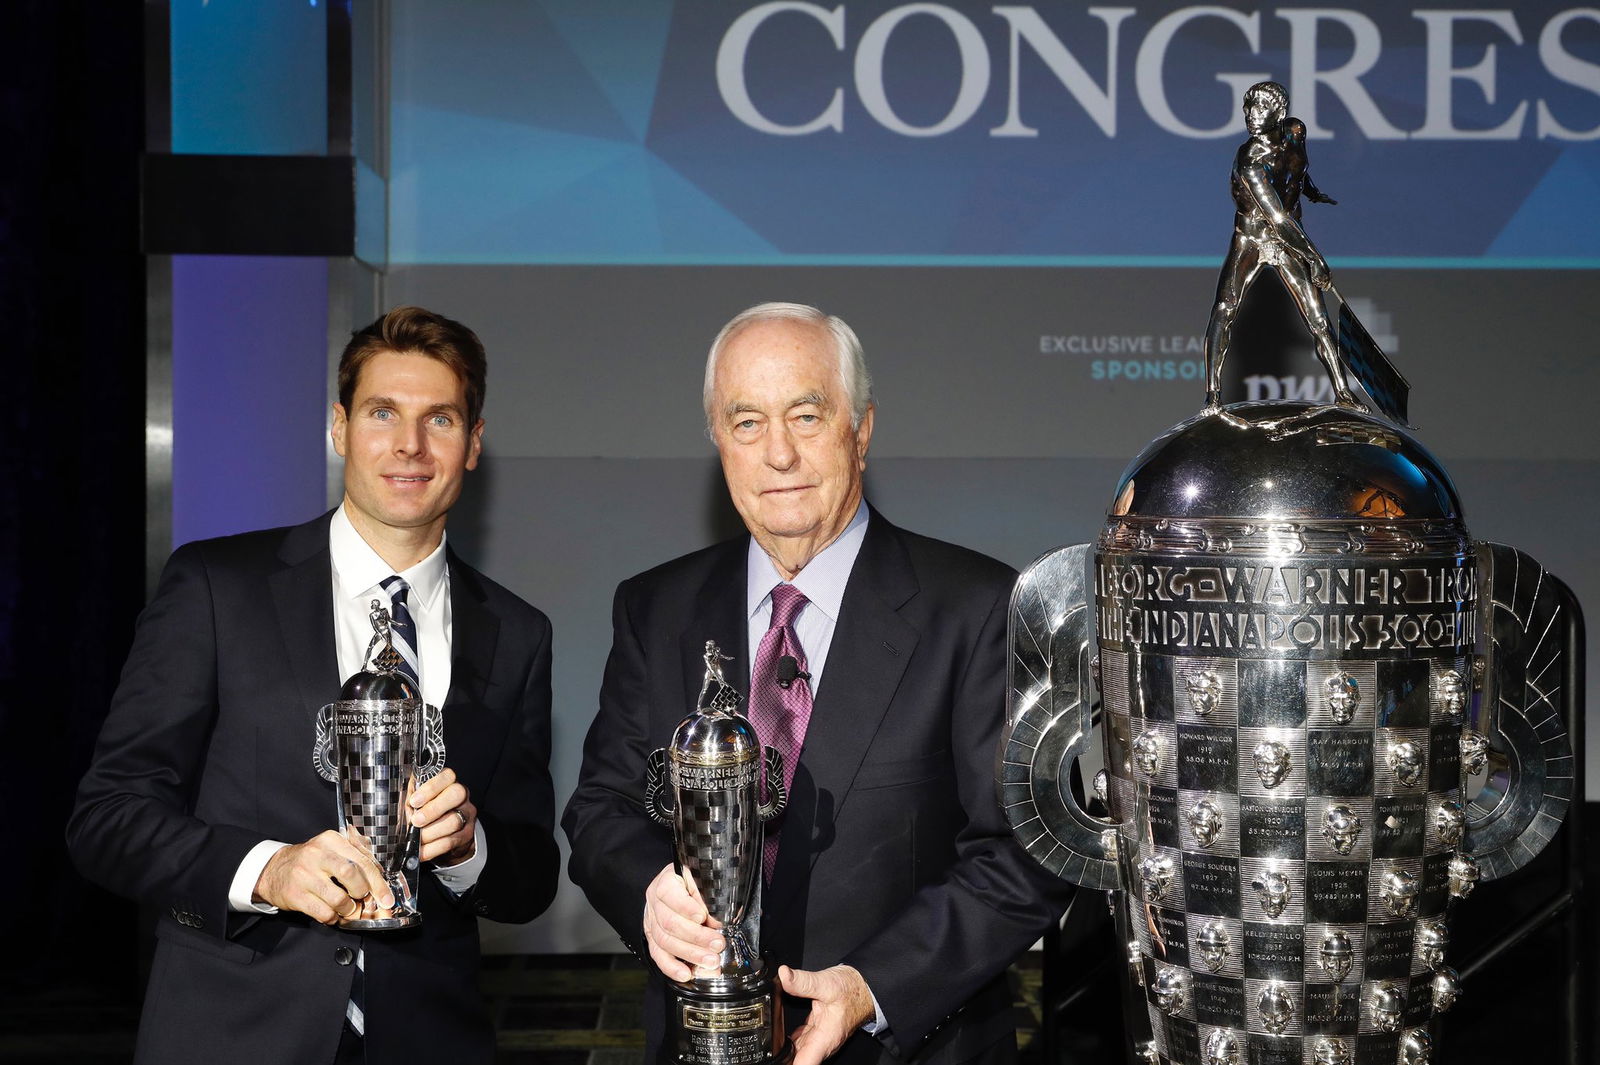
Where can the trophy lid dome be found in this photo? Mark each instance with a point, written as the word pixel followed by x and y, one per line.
pixel 1287 462
pixel 715 739
pixel 370 685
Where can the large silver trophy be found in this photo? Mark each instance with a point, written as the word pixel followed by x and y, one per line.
pixel 1327 711
pixel 376 744
pixel 708 787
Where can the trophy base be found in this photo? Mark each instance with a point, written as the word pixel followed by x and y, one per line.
pixel 381 924
pixel 742 1026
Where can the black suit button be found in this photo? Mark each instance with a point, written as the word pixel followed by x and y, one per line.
pixel 344 955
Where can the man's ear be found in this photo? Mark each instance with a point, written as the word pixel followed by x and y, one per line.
pixel 341 424
pixel 864 435
pixel 475 445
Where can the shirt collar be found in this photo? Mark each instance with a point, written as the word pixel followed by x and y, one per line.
pixel 358 570
pixel 822 580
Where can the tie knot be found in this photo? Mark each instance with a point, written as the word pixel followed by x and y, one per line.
pixel 787 601
pixel 397 588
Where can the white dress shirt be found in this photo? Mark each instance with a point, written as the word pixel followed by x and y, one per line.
pixel 358 573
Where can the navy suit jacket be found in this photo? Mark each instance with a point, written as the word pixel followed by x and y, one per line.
pixel 207 751
pixel 895 856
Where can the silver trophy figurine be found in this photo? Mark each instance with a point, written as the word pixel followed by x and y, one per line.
pixel 708 786
pixel 1302 657
pixel 376 744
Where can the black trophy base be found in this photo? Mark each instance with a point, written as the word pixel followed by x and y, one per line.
pixel 741 1026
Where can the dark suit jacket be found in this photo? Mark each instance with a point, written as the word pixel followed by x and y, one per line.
pixel 895 855
pixel 207 751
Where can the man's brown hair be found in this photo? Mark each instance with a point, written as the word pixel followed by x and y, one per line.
pixel 413 330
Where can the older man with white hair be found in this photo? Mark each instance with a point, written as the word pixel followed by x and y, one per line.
pixel 895 896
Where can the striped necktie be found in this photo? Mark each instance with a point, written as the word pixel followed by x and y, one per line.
pixel 403 629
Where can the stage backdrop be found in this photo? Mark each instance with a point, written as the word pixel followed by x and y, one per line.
pixel 1021 208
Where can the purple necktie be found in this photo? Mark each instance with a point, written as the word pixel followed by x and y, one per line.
pixel 780 714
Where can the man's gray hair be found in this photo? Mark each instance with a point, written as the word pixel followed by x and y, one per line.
pixel 853 375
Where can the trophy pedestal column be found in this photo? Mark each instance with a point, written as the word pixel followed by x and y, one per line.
pixel 737 1025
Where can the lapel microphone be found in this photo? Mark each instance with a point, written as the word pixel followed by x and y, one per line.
pixel 789 671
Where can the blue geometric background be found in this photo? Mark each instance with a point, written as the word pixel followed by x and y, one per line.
pixel 570 131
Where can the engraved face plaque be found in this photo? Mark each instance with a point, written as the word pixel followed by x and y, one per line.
pixel 1276 1007
pixel 1464 875
pixel 1398 890
pixel 1341 827
pixel 1205 822
pixel 1214 945
pixel 1342 693
pixel 1273 890
pixel 1271 762
pixel 1170 988
pixel 1405 760
pixel 1474 753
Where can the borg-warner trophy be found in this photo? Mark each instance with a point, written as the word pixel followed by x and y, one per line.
pixel 376 744
pixel 1304 663
pixel 708 787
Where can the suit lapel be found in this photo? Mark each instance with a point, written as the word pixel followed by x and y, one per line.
pixel 302 600
pixel 866 660
pixel 474 632
pixel 718 614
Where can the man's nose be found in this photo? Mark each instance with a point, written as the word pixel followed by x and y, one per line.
pixel 781 453
pixel 412 439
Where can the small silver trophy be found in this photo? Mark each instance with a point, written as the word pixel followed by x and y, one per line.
pixel 706 786
pixel 377 743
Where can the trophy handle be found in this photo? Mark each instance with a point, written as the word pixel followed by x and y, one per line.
pixel 322 753
pixel 430 748
pixel 657 795
pixel 1524 614
pixel 777 796
pixel 1050 697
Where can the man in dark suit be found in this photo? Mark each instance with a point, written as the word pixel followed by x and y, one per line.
pixel 895 895
pixel 203 802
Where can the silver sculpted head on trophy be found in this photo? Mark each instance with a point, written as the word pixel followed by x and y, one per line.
pixel 1337 955
pixel 1450 821
pixel 1272 762
pixel 1343 694
pixel 1222 1048
pixel 1405 759
pixel 1156 871
pixel 1433 939
pixel 1416 1047
pixel 1170 987
pixel 1446 988
pixel 1388 1005
pixel 1464 874
pixel 1453 696
pixel 1474 753
pixel 1205 821
pixel 1330 1050
pixel 1205 691
pixel 1273 890
pixel 1276 1007
pixel 1214 945
pixel 1399 889
pixel 1147 753
pixel 1341 827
